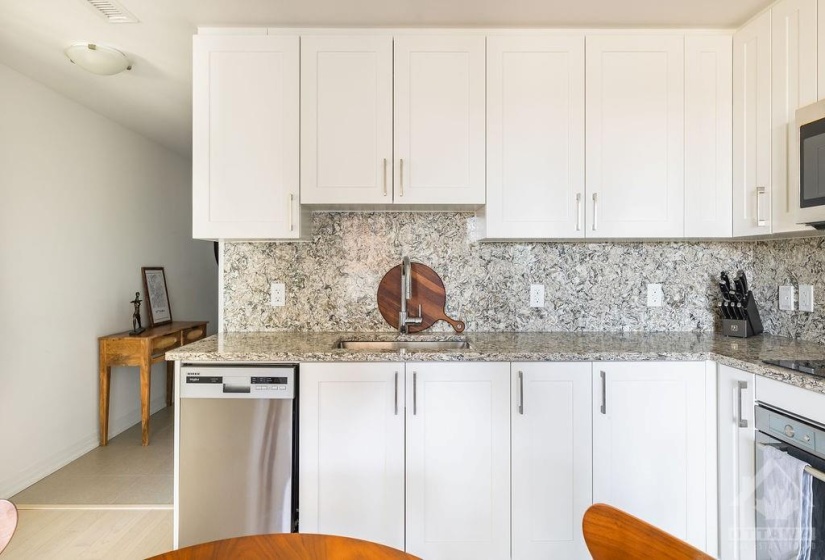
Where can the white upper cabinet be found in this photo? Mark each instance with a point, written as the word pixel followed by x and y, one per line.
pixel 752 128
pixel 820 17
pixel 535 136
pixel 439 119
pixel 708 135
pixel 794 77
pixel 245 137
pixel 346 119
pixel 635 136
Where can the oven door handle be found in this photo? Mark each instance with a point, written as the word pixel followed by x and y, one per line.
pixel 816 473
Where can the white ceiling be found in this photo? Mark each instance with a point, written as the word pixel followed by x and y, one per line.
pixel 154 99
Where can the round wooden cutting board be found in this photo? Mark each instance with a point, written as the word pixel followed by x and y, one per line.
pixel 427 291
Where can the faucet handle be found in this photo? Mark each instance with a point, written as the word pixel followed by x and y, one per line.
pixel 419 311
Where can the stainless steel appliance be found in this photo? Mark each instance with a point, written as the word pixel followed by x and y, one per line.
pixel 805 440
pixel 237 459
pixel 812 367
pixel 810 191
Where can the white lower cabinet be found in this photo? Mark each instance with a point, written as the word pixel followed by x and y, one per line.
pixel 551 458
pixel 351 463
pixel 654 445
pixel 736 464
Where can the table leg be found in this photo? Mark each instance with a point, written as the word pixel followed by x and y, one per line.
pixel 170 376
pixel 145 393
pixel 105 374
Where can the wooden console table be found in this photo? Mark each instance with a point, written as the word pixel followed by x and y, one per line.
pixel 143 350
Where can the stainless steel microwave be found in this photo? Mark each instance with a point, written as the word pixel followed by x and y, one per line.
pixel 811 122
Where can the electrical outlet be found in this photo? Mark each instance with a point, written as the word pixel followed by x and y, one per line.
pixel 806 298
pixel 536 295
pixel 786 298
pixel 655 295
pixel 277 294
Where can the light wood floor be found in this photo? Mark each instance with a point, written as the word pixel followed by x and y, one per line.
pixel 114 503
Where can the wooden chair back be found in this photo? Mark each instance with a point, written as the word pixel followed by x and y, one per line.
pixel 8 523
pixel 612 534
pixel 290 546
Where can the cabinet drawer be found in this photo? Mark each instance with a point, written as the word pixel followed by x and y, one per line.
pixel 193 334
pixel 165 343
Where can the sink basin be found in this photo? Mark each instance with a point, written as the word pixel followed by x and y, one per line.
pixel 396 345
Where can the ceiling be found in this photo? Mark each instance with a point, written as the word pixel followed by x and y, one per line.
pixel 154 98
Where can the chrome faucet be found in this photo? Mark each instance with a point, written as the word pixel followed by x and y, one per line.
pixel 405 320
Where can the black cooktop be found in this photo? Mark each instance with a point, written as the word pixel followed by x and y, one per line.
pixel 814 367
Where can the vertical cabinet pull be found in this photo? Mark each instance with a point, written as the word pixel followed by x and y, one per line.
pixel 760 193
pixel 385 176
pixel 520 392
pixel 604 392
pixel 595 211
pixel 395 398
pixel 401 177
pixel 740 387
pixel 415 394
pixel 291 198
pixel 578 211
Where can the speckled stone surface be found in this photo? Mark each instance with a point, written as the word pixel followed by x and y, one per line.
pixel 745 354
pixel 331 281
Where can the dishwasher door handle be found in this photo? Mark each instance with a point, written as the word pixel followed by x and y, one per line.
pixel 227 388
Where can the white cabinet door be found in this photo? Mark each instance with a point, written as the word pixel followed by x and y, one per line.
pixel 351 465
pixel 551 458
pixel 535 136
pixel 439 119
pixel 793 70
pixel 651 444
pixel 708 135
pixel 820 16
pixel 458 461
pixel 752 128
pixel 346 119
pixel 635 136
pixel 245 137
pixel 736 464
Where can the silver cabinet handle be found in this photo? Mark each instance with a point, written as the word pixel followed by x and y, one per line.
pixel 385 176
pixel 578 211
pixel 401 177
pixel 415 394
pixel 396 393
pixel 520 393
pixel 604 392
pixel 595 211
pixel 760 192
pixel 741 386
pixel 291 198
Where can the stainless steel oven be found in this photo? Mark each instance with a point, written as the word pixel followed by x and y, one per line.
pixel 803 439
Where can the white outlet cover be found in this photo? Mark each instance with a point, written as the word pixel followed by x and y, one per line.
pixel 655 295
pixel 786 302
pixel 277 294
pixel 536 295
pixel 806 298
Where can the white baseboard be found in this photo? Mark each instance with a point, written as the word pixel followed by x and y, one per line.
pixel 43 468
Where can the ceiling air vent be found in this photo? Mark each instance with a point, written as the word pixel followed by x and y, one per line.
pixel 111 11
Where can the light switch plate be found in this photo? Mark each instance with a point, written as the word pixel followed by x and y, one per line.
pixel 786 302
pixel 806 298
pixel 536 295
pixel 655 295
pixel 277 294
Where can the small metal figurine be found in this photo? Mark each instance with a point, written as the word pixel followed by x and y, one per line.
pixel 136 326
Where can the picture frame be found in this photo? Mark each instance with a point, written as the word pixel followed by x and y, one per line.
pixel 158 309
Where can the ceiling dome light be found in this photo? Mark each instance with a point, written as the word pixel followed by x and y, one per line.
pixel 98 59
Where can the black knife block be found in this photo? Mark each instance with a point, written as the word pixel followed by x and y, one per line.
pixel 744 328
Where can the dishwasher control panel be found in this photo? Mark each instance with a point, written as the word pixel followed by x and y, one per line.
pixel 237 382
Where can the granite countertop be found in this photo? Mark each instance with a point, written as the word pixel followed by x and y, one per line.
pixel 745 354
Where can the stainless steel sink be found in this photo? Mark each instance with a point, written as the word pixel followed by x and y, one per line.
pixel 409 345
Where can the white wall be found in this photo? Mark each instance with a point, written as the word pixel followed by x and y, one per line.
pixel 84 203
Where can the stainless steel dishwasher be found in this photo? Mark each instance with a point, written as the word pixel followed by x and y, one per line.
pixel 238 449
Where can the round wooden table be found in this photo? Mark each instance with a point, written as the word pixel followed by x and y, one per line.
pixel 290 546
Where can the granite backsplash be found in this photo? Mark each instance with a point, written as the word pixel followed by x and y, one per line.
pixel 331 281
